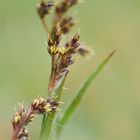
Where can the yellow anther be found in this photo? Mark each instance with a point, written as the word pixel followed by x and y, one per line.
pixel 62 50
pixel 47 107
pixel 52 48
pixel 17 118
pixel 55 50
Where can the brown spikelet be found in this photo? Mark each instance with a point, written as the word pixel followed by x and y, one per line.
pixel 22 118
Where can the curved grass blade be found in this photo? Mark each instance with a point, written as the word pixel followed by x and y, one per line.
pixel 79 96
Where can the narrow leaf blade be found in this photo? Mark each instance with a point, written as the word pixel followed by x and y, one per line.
pixel 79 96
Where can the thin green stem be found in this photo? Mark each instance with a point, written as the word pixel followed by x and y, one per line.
pixel 45 25
pixel 48 121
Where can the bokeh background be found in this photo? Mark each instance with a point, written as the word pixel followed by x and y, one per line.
pixel 111 109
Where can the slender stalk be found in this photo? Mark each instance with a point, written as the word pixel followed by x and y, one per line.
pixel 44 23
pixel 45 131
pixel 52 76
pixel 48 123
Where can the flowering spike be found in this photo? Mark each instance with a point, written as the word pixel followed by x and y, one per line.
pixel 44 8
pixel 22 118
pixel 62 58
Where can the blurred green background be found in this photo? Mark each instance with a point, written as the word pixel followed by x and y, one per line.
pixel 111 110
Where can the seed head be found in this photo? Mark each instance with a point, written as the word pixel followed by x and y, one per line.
pixel 55 36
pixel 41 106
pixel 18 116
pixel 67 23
pixel 64 6
pixel 63 59
pixel 22 118
pixel 75 39
pixel 44 8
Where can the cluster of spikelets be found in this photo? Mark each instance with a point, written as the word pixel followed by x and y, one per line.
pixel 61 57
pixel 61 54
pixel 23 117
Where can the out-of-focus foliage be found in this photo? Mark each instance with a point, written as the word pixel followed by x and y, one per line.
pixel 111 109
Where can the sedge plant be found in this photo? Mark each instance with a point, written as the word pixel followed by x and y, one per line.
pixel 62 54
